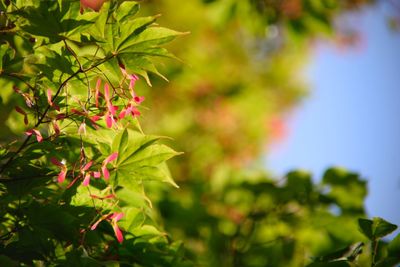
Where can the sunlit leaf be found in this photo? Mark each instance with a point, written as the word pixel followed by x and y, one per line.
pixel 375 228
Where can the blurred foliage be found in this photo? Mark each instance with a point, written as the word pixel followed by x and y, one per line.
pixel 224 105
pixel 242 74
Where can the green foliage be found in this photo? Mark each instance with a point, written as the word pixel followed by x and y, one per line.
pixel 73 76
pixel 382 254
pixel 346 189
pixel 302 18
pixel 376 228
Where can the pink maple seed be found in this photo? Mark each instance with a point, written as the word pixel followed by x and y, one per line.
pixel 27 97
pixel 82 128
pixel 94 226
pixel 132 83
pixel 56 128
pixel 138 99
pixel 104 169
pixel 38 135
pixel 63 172
pixel 110 158
pixel 135 112
pixel 62 175
pixel 107 92
pixel 96 175
pixel 134 77
pixel 97 92
pixel 116 216
pixel 105 172
pixel 86 181
pixel 118 233
pixel 114 219
pixel 91 4
pixel 50 101
pixel 87 166
pixel 129 110
pixel 56 162
pixel 111 109
pixel 122 114
pixel 49 97
pixel 94 118
pixel 61 116
pixel 109 119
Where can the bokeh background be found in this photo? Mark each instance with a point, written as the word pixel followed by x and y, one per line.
pixel 352 115
pixel 269 87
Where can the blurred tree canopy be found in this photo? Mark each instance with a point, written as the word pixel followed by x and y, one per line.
pixel 231 82
pixel 224 107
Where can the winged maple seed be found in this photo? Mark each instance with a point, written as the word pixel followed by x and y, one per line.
pixel 28 98
pixel 112 218
pixel 109 117
pixel 63 167
pixel 104 169
pixel 50 100
pixel 96 174
pixel 86 174
pixel 129 109
pixel 97 93
pixel 92 4
pixel 82 128
pixel 35 132
pixel 56 128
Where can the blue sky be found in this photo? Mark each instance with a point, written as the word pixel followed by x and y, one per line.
pixel 352 116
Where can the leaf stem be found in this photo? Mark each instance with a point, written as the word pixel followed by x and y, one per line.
pixel 374 247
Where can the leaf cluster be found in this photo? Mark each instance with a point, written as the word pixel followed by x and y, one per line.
pixel 75 164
